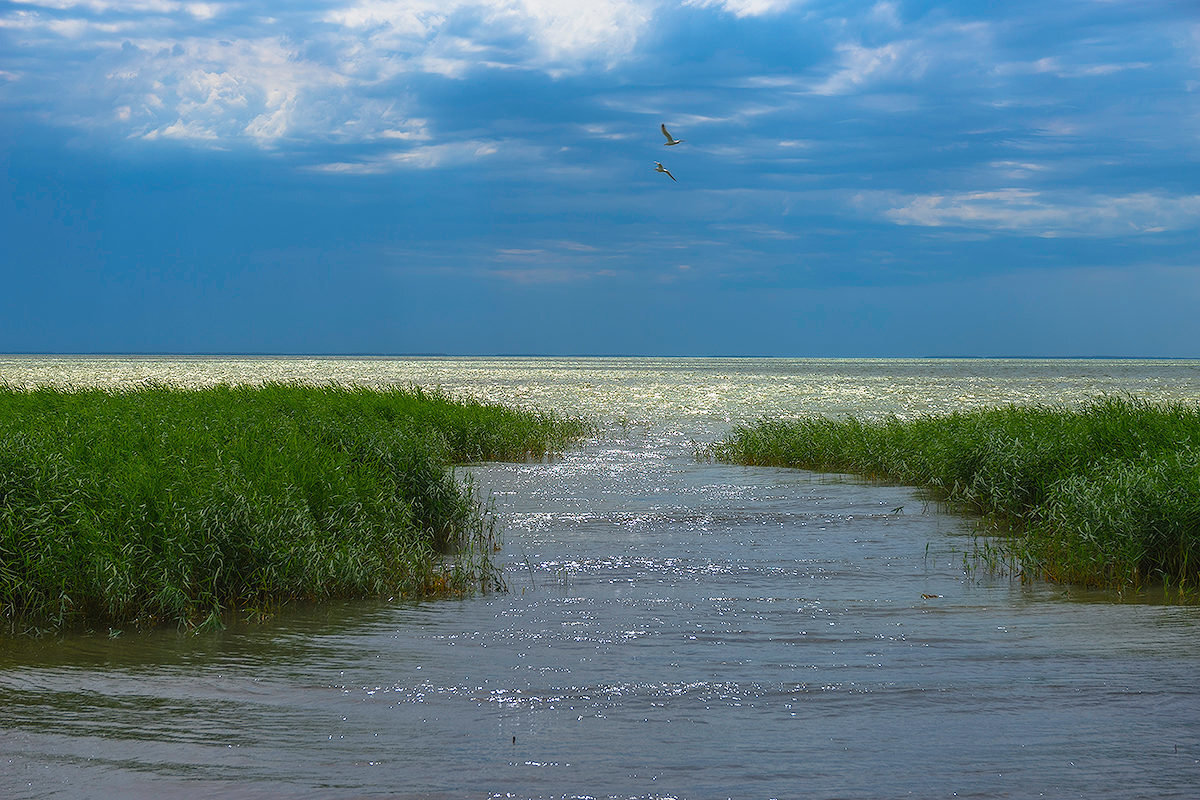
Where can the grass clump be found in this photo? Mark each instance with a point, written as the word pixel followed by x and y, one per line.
pixel 157 505
pixel 1105 495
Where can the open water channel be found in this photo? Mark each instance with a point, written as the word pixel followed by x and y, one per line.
pixel 672 629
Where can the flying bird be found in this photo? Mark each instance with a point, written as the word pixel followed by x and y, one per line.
pixel 670 139
pixel 658 167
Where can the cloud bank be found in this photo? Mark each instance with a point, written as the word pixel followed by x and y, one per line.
pixel 218 74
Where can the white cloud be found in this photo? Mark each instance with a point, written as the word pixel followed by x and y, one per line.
pixel 548 262
pixel 570 31
pixel 746 8
pixel 578 247
pixel 20 20
pixel 604 132
pixel 508 253
pixel 885 13
pixel 403 17
pixel 159 68
pixel 199 11
pixel 757 231
pixel 562 34
pixel 1017 170
pixel 915 55
pixel 182 130
pixel 1034 213
pixel 859 66
pixel 202 10
pixel 1052 65
pixel 424 156
pixel 78 28
pixel 255 90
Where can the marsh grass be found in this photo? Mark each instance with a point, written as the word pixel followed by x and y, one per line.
pixel 1105 495
pixel 162 505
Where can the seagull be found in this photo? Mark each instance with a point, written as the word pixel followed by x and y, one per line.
pixel 658 167
pixel 670 139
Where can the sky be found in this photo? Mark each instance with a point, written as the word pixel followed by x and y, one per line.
pixel 897 178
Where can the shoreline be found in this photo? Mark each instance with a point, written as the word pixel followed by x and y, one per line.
pixel 1106 495
pixel 156 505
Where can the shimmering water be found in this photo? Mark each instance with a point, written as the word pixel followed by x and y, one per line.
pixel 673 628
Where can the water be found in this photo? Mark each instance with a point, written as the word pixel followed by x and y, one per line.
pixel 672 629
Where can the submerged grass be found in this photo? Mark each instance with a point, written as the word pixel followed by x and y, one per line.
pixel 1106 495
pixel 162 505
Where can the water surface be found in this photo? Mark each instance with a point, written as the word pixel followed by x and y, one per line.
pixel 672 629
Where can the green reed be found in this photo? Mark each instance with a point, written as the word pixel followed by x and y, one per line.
pixel 169 505
pixel 1106 495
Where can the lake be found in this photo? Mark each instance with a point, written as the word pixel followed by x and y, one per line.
pixel 671 629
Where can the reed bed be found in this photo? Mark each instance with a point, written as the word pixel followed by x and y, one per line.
pixel 1104 495
pixel 163 505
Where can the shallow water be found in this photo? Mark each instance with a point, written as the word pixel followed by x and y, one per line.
pixel 672 629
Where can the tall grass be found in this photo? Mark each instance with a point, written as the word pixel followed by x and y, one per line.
pixel 168 505
pixel 1105 495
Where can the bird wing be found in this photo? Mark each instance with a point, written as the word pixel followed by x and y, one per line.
pixel 670 138
pixel 669 175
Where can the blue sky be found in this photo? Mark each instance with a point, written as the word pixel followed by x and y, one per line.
pixel 477 177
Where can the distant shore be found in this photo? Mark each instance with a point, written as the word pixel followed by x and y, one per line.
pixel 163 505
pixel 1107 495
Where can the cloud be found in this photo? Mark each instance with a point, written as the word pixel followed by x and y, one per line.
pixel 606 132
pixel 197 10
pixel 1035 213
pixel 1053 65
pixel 862 65
pixel 206 72
pixel 254 90
pixel 561 35
pixel 555 263
pixel 907 56
pixel 756 231
pixel 746 8
pixel 368 86
pixel 886 14
pixel 568 32
pixel 432 156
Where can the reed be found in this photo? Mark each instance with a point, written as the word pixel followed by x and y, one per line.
pixel 1107 494
pixel 156 505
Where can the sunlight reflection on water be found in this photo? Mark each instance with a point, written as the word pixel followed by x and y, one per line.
pixel 675 397
pixel 672 629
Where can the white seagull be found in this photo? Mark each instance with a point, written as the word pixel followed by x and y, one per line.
pixel 670 139
pixel 658 167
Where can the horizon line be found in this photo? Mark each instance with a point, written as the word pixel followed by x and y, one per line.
pixel 366 354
